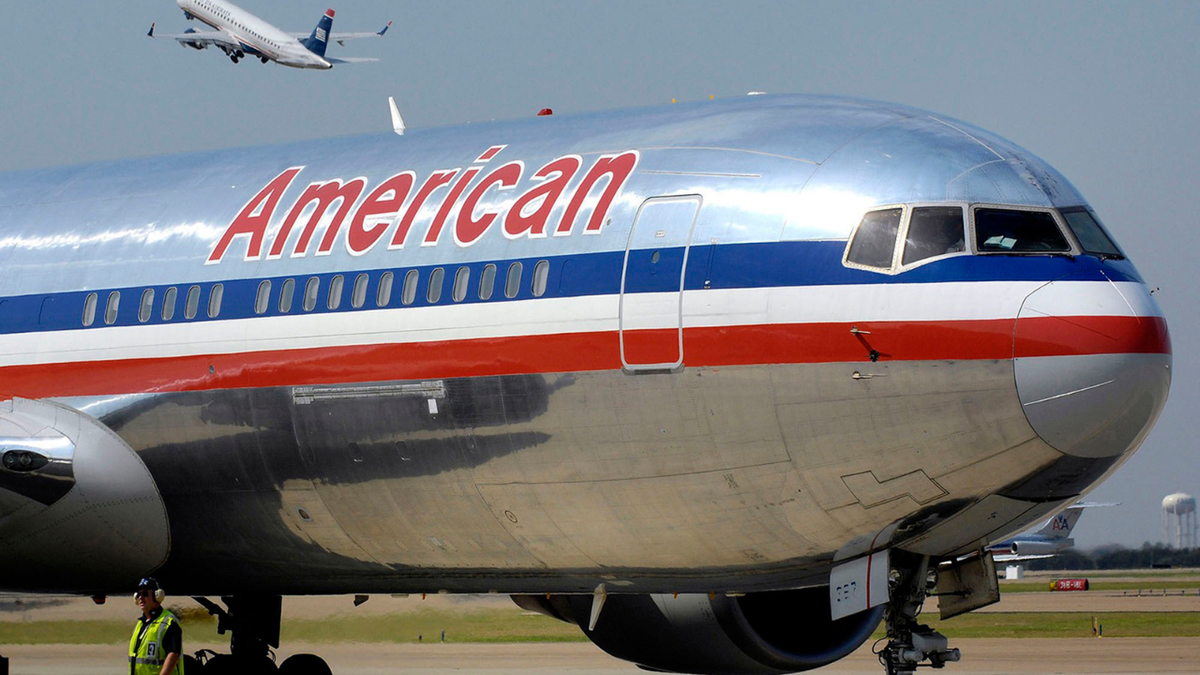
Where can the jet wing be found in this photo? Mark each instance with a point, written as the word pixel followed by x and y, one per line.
pixel 195 38
pixel 340 38
pixel 1013 557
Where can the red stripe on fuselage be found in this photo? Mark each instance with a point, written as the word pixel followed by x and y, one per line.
pixel 578 352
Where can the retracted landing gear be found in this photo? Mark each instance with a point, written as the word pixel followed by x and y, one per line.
pixel 910 644
pixel 252 622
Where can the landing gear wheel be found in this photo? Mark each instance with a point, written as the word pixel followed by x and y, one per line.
pixel 191 664
pixel 304 664
pixel 910 644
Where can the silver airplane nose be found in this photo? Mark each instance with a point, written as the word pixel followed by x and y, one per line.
pixel 1092 359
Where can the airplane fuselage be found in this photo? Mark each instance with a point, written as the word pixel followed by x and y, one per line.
pixel 630 348
pixel 256 36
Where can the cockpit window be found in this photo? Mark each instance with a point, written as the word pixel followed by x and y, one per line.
pixel 1012 231
pixel 874 242
pixel 1090 234
pixel 933 231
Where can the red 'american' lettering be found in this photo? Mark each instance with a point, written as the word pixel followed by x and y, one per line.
pixel 387 208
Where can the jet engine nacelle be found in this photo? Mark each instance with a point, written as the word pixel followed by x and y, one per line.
pixel 194 45
pixel 1040 547
pixel 753 634
pixel 78 508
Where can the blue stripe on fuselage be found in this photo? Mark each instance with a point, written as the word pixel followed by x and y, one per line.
pixel 724 266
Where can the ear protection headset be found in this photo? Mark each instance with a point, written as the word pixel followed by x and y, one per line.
pixel 152 584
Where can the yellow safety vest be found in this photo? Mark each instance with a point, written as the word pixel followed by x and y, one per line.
pixel 146 657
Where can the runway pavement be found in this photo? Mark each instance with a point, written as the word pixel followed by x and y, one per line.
pixel 1162 656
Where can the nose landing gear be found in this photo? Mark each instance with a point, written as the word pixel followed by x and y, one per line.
pixel 253 625
pixel 910 644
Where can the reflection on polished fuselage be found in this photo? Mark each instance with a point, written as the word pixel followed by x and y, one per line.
pixel 705 348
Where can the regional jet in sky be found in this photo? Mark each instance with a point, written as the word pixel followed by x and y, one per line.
pixel 239 33
pixel 721 383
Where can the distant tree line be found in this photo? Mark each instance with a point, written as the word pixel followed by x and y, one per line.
pixel 1120 558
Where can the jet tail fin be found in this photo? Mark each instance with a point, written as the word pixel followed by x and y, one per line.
pixel 319 39
pixel 1060 526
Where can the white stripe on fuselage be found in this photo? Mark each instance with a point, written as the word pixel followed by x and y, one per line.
pixel 933 302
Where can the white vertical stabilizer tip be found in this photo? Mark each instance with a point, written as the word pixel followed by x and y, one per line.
pixel 397 121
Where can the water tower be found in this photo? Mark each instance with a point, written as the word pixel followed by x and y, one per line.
pixel 1179 520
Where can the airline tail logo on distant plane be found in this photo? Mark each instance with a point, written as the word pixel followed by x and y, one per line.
pixel 387 208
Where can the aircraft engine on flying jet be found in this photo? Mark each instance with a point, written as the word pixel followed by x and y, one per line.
pixel 78 508
pixel 194 45
pixel 752 634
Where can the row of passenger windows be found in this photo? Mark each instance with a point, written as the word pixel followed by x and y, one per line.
pixel 285 300
pixel 191 305
pixel 932 231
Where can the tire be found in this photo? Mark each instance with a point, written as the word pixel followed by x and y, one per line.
pixel 192 664
pixel 304 664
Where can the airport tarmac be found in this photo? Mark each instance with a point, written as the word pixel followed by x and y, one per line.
pixel 1162 656
pixel 1030 656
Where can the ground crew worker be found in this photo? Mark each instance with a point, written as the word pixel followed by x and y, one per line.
pixel 156 647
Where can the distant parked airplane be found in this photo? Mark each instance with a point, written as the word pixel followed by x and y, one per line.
pixel 239 33
pixel 1053 538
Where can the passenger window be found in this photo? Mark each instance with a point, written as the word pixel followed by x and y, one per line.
pixel 311 289
pixel 263 298
pixel 384 295
pixel 513 284
pixel 359 297
pixel 1011 231
pixel 462 279
pixel 541 272
pixel 933 231
pixel 192 304
pixel 146 307
pixel 1090 234
pixel 169 297
pixel 89 309
pixel 110 309
pixel 286 293
pixel 487 282
pixel 335 292
pixel 874 241
pixel 434 292
pixel 408 294
pixel 214 300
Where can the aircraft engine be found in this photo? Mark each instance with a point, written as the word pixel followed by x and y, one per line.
pixel 753 634
pixel 78 508
pixel 1041 548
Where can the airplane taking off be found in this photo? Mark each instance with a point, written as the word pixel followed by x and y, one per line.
pixel 239 33
pixel 723 383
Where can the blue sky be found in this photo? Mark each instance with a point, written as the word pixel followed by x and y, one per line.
pixel 1107 92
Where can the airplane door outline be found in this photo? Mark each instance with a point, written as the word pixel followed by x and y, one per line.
pixel 652 275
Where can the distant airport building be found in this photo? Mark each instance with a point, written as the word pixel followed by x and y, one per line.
pixel 1179 520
